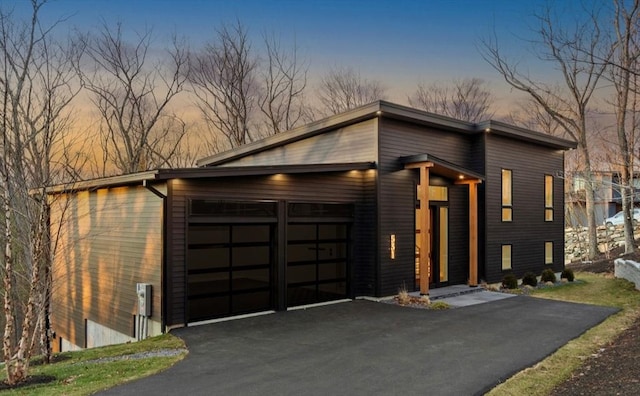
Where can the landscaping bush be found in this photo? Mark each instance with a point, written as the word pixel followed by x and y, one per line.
pixel 530 279
pixel 439 305
pixel 548 276
pixel 567 274
pixel 510 281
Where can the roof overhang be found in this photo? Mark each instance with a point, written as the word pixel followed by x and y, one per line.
pixel 502 129
pixel 440 167
pixel 160 175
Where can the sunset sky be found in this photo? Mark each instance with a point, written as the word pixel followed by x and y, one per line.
pixel 398 42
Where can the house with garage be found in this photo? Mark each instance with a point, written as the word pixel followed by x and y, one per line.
pixel 358 204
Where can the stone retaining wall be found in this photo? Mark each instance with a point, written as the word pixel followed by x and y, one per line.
pixel 575 241
pixel 629 270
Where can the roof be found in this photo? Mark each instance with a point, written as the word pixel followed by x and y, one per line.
pixel 386 110
pixel 160 175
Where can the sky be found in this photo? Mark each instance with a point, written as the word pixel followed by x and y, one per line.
pixel 399 42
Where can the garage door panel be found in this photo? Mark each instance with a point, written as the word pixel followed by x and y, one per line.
pixel 251 233
pixel 317 262
pixel 251 255
pixel 229 269
pixel 251 279
pixel 205 308
pixel 337 270
pixel 301 252
pixel 208 258
pixel 301 273
pixel 250 302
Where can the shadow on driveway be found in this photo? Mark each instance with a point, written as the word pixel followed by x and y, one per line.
pixel 363 347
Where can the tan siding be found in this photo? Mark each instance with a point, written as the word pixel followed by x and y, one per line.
pixel 109 240
pixel 355 143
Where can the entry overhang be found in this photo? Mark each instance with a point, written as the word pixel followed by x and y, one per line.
pixel 427 164
pixel 440 167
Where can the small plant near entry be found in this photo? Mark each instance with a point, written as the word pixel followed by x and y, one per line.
pixel 425 300
pixel 548 276
pixel 510 282
pixel 567 274
pixel 403 295
pixel 439 305
pixel 530 279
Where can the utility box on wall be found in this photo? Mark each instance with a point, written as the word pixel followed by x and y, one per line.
pixel 144 299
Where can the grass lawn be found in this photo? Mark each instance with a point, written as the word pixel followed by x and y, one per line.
pixel 598 289
pixel 86 372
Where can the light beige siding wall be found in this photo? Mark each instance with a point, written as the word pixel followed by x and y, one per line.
pixel 107 241
pixel 354 143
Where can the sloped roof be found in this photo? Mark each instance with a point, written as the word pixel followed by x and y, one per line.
pixel 161 175
pixel 386 110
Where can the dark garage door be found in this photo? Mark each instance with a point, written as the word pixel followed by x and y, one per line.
pixel 230 265
pixel 317 252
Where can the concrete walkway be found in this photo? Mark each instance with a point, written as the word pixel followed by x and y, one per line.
pixel 365 348
pixel 463 295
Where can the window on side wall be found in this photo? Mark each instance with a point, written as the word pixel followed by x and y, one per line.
pixel 548 252
pixel 507 193
pixel 548 198
pixel 506 257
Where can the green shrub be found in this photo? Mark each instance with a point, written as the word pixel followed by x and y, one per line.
pixel 439 305
pixel 530 279
pixel 548 276
pixel 510 281
pixel 567 274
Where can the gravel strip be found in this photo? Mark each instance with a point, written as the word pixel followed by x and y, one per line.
pixel 138 356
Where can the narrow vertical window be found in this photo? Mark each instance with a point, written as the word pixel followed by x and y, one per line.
pixel 548 198
pixel 506 257
pixel 507 190
pixel 548 252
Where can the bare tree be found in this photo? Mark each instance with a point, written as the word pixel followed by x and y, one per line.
pixel 577 53
pixel 626 53
pixel 132 92
pixel 284 80
pixel 223 78
pixel 468 99
pixel 36 89
pixel 343 89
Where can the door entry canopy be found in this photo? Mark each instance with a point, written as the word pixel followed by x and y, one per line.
pixel 440 167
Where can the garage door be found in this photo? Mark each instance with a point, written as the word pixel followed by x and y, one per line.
pixel 229 265
pixel 318 247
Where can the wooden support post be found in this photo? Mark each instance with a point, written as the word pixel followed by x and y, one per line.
pixel 425 231
pixel 473 234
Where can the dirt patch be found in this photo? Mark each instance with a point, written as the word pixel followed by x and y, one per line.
pixel 611 371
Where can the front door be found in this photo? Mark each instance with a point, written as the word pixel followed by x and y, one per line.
pixel 439 216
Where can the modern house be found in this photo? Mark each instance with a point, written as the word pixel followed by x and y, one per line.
pixel 608 197
pixel 357 204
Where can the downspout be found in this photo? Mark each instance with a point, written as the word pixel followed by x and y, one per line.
pixel 158 193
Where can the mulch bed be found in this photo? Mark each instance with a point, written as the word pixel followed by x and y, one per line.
pixel 615 369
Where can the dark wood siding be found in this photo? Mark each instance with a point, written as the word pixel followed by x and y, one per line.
pixel 397 198
pixel 528 231
pixel 458 234
pixel 353 187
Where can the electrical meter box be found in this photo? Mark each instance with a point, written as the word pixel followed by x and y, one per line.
pixel 144 299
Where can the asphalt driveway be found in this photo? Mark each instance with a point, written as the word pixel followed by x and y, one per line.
pixel 364 348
